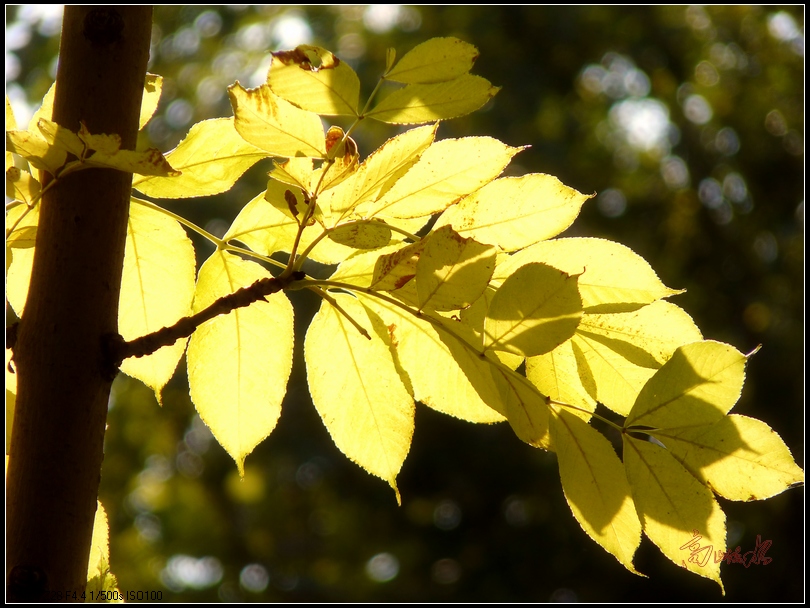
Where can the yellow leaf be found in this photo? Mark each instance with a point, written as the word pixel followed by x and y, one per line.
pixel 45 110
pixel 596 487
pixel 20 249
pixel 315 80
pixel 379 172
pixel 698 385
pixel 266 225
pixel 515 212
pixel 101 583
pixel 21 186
pixel 295 171
pixel 452 271
pixel 344 159
pixel 671 504
pixel 106 144
pixel 614 279
pixel 211 158
pixel 526 409
pixel 435 60
pixel 505 391
pixel 152 88
pixel 447 171
pixel 275 125
pixel 534 311
pixel 11 125
pixel 239 363
pixel 11 397
pixel 563 375
pixel 33 148
pixel 740 458
pixel 99 545
pixel 61 137
pixel 147 162
pixel 11 122
pixel 369 234
pixel 157 289
pixel 419 103
pixel 617 380
pixel 263 227
pixel 621 352
pixel 395 271
pixel 647 336
pixel 357 390
pixel 421 351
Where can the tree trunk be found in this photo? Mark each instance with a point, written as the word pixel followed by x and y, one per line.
pixel 63 386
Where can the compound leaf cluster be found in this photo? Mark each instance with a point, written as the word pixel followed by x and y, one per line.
pixel 488 316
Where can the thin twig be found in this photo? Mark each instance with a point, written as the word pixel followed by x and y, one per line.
pixel 118 350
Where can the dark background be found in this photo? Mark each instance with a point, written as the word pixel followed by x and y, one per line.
pixel 687 122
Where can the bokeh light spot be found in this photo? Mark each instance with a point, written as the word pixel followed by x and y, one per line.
pixel 382 568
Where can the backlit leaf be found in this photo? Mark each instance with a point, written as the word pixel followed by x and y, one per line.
pixel 379 172
pixel 33 148
pixel 647 336
pixel 445 172
pixel 99 577
pixel 106 150
pixel 596 487
pixel 617 379
pixel 515 212
pixel 157 289
pixel 21 186
pixel 315 80
pixel 421 351
pixel 740 458
pixel 622 351
pixel 275 125
pixel 45 110
pixel 526 409
pixel 452 271
pixel 357 390
pixel 395 270
pixel 698 385
pixel 563 375
pixel 535 310
pixel 266 225
pixel 20 253
pixel 11 125
pixel 239 363
pixel 211 158
pixel 420 103
pixel 296 171
pixel 362 235
pixel 614 278
pixel 61 137
pixel 435 60
pixel 671 503
pixel 152 88
pixel 505 391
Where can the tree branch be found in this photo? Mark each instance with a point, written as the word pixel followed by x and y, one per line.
pixel 118 350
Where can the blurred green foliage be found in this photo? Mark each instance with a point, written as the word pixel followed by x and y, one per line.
pixel 687 122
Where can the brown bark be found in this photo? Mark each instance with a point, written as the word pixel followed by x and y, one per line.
pixel 60 415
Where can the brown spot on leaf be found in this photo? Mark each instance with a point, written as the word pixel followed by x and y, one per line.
pixel 291 202
pixel 403 280
pixel 297 56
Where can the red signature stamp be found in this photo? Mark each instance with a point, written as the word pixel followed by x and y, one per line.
pixel 701 555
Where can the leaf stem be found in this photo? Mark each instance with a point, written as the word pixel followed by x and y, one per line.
pixel 220 244
pixel 253 254
pixel 582 409
pixel 323 293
